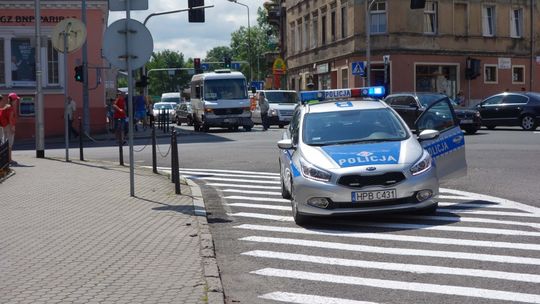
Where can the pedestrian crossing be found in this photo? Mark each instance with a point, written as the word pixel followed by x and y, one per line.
pixel 476 249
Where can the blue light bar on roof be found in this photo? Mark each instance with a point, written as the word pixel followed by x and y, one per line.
pixel 325 95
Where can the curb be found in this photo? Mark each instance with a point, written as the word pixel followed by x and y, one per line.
pixel 208 254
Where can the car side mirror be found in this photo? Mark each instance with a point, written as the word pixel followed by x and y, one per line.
pixel 428 134
pixel 285 144
pixel 413 105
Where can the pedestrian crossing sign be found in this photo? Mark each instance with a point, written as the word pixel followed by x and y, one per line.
pixel 358 68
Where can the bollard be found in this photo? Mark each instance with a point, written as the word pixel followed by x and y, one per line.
pixel 81 154
pixel 175 167
pixel 154 155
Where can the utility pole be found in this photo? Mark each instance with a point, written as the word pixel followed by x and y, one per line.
pixel 40 129
pixel 86 104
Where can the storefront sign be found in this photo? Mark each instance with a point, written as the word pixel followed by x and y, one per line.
pixel 505 63
pixel 26 106
pixel 279 66
pixel 30 19
pixel 322 68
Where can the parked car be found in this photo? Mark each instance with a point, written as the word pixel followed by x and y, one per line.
pixel 511 109
pixel 183 114
pixel 171 97
pixel 282 104
pixel 411 105
pixel 164 107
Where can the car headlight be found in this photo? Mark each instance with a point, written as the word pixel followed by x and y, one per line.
pixel 273 112
pixel 310 171
pixel 422 165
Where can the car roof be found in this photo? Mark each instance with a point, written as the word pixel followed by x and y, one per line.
pixel 336 105
pixel 171 94
pixel 414 94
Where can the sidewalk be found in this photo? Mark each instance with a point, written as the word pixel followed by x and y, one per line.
pixel 71 233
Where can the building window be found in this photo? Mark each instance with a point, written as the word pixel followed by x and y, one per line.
pixel 333 22
pixel 298 35
pixel 2 63
pixel 488 21
pixel 490 73
pixel 518 74
pixel 516 25
pixel 377 22
pixel 323 30
pixel 293 37
pixel 23 63
pixel 436 78
pixel 53 77
pixel 306 32
pixel 315 30
pixel 344 21
pixel 344 78
pixel 430 17
pixel 461 19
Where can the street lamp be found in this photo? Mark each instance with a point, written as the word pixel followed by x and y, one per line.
pixel 248 41
pixel 368 46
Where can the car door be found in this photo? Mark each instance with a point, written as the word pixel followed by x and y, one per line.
pixel 489 110
pixel 511 107
pixel 406 106
pixel 447 149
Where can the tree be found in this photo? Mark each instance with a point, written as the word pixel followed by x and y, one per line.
pixel 257 43
pixel 218 53
pixel 165 81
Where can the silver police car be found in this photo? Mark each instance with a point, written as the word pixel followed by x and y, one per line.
pixel 346 152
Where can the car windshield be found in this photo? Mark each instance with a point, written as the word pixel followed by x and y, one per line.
pixel 215 89
pixel 282 97
pixel 163 106
pixel 428 99
pixel 171 99
pixel 346 127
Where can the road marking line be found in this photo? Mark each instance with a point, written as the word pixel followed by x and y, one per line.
pixel 236 180
pixel 242 186
pixel 298 298
pixel 400 225
pixel 400 285
pixel 460 197
pixel 473 205
pixel 487 212
pixel 260 199
pixel 412 268
pixel 493 199
pixel 396 250
pixel 261 206
pixel 252 192
pixel 392 237
pixel 467 219
pixel 232 171
pixel 195 173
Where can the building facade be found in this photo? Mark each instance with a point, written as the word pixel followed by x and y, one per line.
pixel 18 62
pixel 480 47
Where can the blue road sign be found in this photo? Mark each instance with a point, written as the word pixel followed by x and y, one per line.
pixel 205 66
pixel 235 65
pixel 358 68
pixel 259 85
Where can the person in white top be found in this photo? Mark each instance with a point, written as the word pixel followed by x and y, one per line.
pixel 71 107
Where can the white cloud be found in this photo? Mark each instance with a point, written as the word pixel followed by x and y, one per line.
pixel 174 32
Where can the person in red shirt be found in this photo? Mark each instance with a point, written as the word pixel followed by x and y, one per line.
pixel 8 120
pixel 119 116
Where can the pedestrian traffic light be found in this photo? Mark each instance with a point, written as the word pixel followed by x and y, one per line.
pixel 227 62
pixel 79 76
pixel 417 4
pixel 198 14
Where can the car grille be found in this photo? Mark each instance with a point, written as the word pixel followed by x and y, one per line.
pixel 467 115
pixel 405 200
pixel 286 112
pixel 359 181
pixel 228 111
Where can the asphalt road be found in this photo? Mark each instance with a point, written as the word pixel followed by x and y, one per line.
pixel 482 247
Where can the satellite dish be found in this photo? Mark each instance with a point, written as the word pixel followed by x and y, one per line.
pixel 76 35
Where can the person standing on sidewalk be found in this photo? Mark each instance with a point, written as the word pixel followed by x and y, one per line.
pixel 71 107
pixel 264 107
pixel 8 120
pixel 3 119
pixel 119 107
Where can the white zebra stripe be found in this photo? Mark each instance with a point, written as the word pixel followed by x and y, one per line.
pixel 194 173
pixel 236 180
pixel 261 216
pixel 229 171
pixel 392 237
pixel 467 219
pixel 259 199
pixel 473 205
pixel 252 192
pixel 487 212
pixel 298 298
pixel 260 206
pixel 400 285
pixel 397 251
pixel 412 268
pixel 242 186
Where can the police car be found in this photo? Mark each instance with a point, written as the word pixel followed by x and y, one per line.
pixel 347 152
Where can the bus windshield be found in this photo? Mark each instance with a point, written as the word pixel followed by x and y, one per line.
pixel 215 89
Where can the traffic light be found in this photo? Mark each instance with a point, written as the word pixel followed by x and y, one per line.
pixel 197 65
pixel 143 82
pixel 227 62
pixel 79 76
pixel 198 14
pixel 416 4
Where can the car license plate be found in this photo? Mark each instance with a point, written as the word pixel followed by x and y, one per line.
pixel 466 121
pixel 380 195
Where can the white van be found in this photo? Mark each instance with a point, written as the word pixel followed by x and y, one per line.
pixel 220 99
pixel 282 104
pixel 171 97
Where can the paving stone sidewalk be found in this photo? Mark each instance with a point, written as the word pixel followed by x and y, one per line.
pixel 71 233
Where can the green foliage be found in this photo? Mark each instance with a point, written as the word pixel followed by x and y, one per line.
pixel 163 81
pixel 218 53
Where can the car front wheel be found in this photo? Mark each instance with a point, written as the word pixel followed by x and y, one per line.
pixel 528 123
pixel 471 130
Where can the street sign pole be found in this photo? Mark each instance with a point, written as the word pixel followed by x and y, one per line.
pixel 130 103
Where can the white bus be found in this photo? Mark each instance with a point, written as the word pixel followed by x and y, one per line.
pixel 220 99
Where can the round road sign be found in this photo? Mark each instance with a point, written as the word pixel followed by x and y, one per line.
pixel 76 35
pixel 141 44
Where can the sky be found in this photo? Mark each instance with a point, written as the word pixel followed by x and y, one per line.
pixel 174 32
